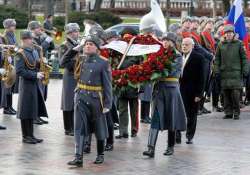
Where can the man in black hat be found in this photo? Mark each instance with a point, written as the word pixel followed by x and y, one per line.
pixel 93 99
pixel 30 102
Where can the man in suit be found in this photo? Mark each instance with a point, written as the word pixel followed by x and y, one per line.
pixel 192 84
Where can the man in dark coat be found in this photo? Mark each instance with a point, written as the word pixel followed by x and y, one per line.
pixel 9 38
pixel 231 65
pixel 48 25
pixel 30 102
pixel 93 99
pixel 67 61
pixel 192 84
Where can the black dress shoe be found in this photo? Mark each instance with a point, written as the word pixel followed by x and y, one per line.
pixel 189 141
pixel 116 127
pixel 109 147
pixel 236 117
pixel 169 151
pixel 37 140
pixel 8 112
pixel 43 121
pixel 147 120
pixel 228 117
pixel 134 134
pixel 69 133
pixel 99 159
pixel 12 109
pixel 37 122
pixel 122 136
pixel 29 140
pixel 2 127
pixel 150 152
pixel 76 162
pixel 205 111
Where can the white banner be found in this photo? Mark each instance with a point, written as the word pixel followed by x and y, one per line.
pixel 135 49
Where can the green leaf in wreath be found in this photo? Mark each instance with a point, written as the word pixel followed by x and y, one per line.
pixel 132 85
pixel 165 72
pixel 155 76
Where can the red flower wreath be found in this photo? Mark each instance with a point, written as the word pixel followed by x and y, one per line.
pixel 157 65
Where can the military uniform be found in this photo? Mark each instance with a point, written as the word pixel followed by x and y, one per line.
pixel 168 108
pixel 128 97
pixel 67 61
pixel 9 38
pixel 30 102
pixel 92 97
pixel 231 66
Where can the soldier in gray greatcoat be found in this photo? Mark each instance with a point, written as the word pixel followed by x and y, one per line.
pixel 30 102
pixel 46 42
pixel 93 99
pixel 168 109
pixel 67 61
pixel 9 38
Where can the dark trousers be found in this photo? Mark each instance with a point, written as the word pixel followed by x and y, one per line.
pixel 68 120
pixel 153 135
pixel 110 123
pixel 124 115
pixel 232 101
pixel 191 108
pixel 145 109
pixel 27 127
pixel 9 101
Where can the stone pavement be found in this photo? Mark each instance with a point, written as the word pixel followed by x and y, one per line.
pixel 221 147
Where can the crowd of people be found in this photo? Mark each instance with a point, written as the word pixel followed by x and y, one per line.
pixel 210 63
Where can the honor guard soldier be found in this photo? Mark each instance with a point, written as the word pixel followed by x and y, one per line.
pixel 68 61
pixel 30 102
pixel 8 38
pixel 46 42
pixel 93 99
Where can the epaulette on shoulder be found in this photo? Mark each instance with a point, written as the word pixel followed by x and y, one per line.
pixel 37 46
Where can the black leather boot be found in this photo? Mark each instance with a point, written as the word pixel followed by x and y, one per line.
pixel 150 152
pixel 78 162
pixel 169 151
pixel 152 138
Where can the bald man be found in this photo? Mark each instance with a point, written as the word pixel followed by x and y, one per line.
pixel 192 84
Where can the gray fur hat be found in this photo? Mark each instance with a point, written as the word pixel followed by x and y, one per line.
pixel 34 25
pixel 71 27
pixel 25 34
pixel 170 36
pixel 94 39
pixel 174 27
pixel 7 23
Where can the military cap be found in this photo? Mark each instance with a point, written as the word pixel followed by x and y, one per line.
pixel 217 25
pixel 94 39
pixel 228 28
pixel 170 36
pixel 203 19
pixel 185 19
pixel 7 23
pixel 174 27
pixel 111 34
pixel 34 25
pixel 195 19
pixel 71 27
pixel 25 34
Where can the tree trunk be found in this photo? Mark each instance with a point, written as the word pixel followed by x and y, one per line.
pixel 49 8
pixel 66 6
pixel 214 7
pixel 168 14
pixel 226 6
pixel 30 10
pixel 97 6
pixel 112 3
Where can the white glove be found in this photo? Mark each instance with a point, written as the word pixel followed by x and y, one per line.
pixel 82 42
pixel 49 39
pixel 105 110
pixel 2 71
pixel 9 59
pixel 40 75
